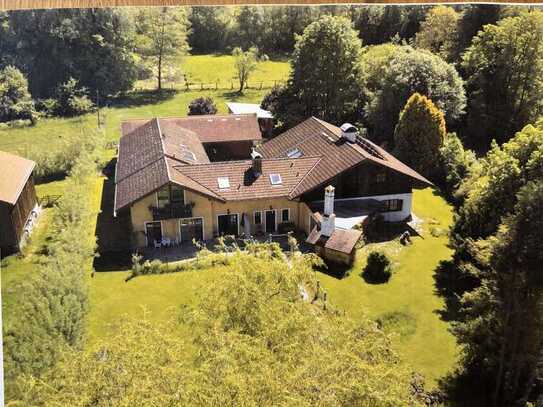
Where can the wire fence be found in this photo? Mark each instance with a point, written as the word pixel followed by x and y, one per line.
pixel 217 85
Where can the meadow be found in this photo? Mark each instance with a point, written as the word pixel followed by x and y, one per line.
pixel 50 132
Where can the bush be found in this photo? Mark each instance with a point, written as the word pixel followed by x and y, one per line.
pixel 15 100
pixel 378 268
pixel 51 315
pixel 72 100
pixel 202 105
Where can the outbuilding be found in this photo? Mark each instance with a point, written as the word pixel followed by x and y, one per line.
pixel 18 202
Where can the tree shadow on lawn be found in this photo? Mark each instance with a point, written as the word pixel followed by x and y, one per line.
pixel 142 98
pixel 113 234
pixel 450 284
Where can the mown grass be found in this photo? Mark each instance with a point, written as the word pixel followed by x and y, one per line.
pixel 408 303
pixel 406 306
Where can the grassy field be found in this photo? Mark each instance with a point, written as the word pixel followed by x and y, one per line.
pixel 408 303
pixel 49 132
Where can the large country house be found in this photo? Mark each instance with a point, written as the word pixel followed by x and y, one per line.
pixel 199 177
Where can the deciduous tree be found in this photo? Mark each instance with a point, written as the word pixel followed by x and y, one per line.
pixel 202 105
pixel 245 63
pixel 439 32
pixel 15 100
pixel 324 71
pixel 162 37
pixel 504 65
pixel 407 71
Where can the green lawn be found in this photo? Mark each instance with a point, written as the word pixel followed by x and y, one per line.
pixel 409 296
pixel 49 133
pixel 408 301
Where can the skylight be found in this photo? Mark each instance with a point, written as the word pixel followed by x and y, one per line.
pixel 224 182
pixel 275 179
pixel 189 155
pixel 294 153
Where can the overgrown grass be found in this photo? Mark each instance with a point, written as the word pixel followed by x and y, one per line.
pixel 408 302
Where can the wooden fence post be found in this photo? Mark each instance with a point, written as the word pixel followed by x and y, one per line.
pixel 201 86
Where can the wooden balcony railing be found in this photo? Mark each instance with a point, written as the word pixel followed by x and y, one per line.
pixel 172 211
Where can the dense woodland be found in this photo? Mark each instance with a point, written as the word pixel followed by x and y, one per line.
pixel 455 92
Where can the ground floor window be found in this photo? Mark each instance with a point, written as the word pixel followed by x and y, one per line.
pixel 285 215
pixel 258 218
pixel 392 205
pixel 153 233
pixel 191 228
pixel 228 224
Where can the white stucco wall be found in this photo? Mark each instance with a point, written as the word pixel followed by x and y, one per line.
pixel 395 216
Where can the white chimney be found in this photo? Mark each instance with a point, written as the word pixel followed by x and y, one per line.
pixel 349 132
pixel 328 224
pixel 257 163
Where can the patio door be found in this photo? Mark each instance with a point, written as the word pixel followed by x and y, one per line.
pixel 153 232
pixel 270 221
pixel 228 224
pixel 191 228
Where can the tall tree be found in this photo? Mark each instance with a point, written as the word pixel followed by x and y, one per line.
pixel 504 66
pixel 406 71
pixel 210 29
pixel 330 92
pixel 94 46
pixel 162 37
pixel 507 307
pixel 15 100
pixel 419 134
pixel 439 32
pixel 245 63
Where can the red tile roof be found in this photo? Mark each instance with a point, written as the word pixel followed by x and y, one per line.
pixel 243 184
pixel 315 137
pixel 211 128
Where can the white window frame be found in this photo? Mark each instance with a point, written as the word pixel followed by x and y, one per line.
pixel 145 228
pixel 223 214
pixel 288 211
pixel 261 218
pixel 194 217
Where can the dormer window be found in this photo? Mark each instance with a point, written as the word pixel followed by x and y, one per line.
pixel 275 179
pixel 224 182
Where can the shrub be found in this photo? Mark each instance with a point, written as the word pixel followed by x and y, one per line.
pixel 54 297
pixel 202 105
pixel 15 100
pixel 71 99
pixel 378 268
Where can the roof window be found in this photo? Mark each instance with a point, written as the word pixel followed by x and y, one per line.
pixel 294 153
pixel 189 155
pixel 224 182
pixel 275 179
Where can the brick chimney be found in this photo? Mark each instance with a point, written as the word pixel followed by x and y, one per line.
pixel 328 224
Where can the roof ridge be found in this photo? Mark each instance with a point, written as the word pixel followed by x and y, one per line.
pixel 198 182
pixel 304 177
pixel 193 117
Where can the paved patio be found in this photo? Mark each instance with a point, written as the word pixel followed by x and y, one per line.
pixel 189 251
